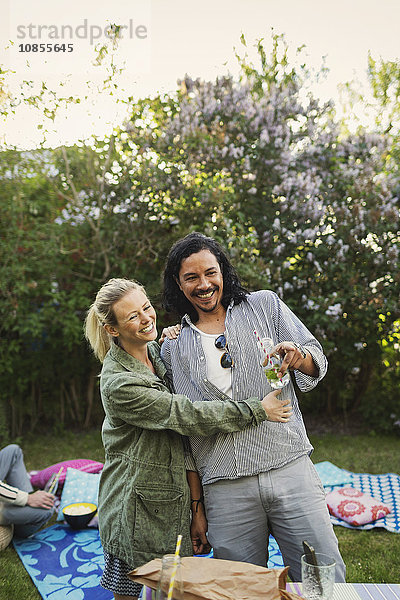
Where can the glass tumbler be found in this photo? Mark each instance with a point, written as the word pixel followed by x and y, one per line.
pixel 318 579
pixel 271 369
pixel 170 576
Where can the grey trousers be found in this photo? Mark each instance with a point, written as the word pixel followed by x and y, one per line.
pixel 26 519
pixel 288 503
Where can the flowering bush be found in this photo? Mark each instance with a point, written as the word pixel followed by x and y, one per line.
pixel 256 162
pixel 303 209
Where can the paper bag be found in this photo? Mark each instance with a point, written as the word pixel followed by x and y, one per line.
pixel 215 579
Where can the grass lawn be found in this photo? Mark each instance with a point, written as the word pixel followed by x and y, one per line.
pixel 370 556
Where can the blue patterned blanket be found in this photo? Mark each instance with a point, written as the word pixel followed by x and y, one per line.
pixel 385 488
pixel 64 563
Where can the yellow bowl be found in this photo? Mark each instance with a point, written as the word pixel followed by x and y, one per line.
pixel 79 514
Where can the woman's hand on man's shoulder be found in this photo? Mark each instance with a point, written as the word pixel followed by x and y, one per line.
pixel 171 333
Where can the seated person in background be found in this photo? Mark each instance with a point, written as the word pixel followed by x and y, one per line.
pixel 27 511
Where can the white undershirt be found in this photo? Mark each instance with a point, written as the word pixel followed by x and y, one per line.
pixel 217 375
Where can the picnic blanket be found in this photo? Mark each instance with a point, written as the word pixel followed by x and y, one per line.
pixel 385 487
pixel 275 560
pixel 65 563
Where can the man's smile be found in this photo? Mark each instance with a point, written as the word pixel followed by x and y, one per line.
pixel 205 295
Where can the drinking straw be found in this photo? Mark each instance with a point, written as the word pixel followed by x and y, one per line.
pixel 175 567
pixel 263 349
pixel 55 481
pixel 262 345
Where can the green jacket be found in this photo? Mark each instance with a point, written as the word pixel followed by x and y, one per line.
pixel 144 500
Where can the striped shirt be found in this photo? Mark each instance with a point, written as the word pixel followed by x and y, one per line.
pixel 12 495
pixel 257 449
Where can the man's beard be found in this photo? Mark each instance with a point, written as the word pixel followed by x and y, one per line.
pixel 208 309
pixel 205 309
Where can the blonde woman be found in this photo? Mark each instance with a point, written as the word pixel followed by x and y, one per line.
pixel 144 497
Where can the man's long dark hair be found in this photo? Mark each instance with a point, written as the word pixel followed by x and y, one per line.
pixel 174 301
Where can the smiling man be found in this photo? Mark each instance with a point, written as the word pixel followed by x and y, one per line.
pixel 258 481
pixel 200 280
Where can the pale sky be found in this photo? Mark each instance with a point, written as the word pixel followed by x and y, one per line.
pixel 167 38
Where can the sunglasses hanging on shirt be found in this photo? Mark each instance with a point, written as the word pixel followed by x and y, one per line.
pixel 226 358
